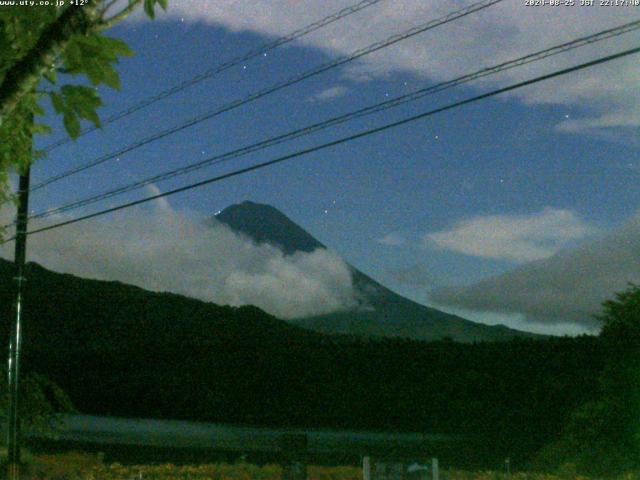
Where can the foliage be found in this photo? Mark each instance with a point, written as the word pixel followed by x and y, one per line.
pixel 41 400
pixel 38 43
pixel 84 466
pixel 133 353
pixel 602 436
pixel 65 466
pixel 621 317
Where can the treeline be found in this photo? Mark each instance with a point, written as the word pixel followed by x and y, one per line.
pixel 120 350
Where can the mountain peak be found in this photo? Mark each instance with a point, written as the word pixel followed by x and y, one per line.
pixel 266 224
pixel 248 206
pixel 389 315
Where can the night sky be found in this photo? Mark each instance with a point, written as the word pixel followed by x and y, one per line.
pixel 532 194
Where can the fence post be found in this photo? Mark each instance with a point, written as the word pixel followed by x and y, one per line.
pixel 366 468
pixel 434 469
pixel 294 453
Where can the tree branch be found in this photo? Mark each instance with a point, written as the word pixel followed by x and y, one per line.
pixel 118 17
pixel 107 6
pixel 23 77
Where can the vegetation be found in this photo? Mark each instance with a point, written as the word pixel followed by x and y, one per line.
pixel 82 466
pixel 120 350
pixel 41 401
pixel 603 435
pixel 570 404
pixel 574 401
pixel 38 43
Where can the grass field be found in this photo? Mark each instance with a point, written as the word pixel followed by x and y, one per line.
pixel 80 466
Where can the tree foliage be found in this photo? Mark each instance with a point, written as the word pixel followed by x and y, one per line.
pixel 36 45
pixel 39 43
pixel 603 435
pixel 621 317
pixel 119 350
pixel 41 400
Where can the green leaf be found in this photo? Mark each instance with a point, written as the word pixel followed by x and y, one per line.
pixel 149 8
pixel 83 102
pixel 95 56
pixel 72 56
pixel 41 129
pixel 71 124
pixel 37 109
pixel 38 154
pixel 57 101
pixel 110 77
pixel 94 72
pixel 76 102
pixel 51 75
pixel 163 4
pixel 117 47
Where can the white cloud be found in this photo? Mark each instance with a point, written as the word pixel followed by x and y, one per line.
pixel 330 93
pixel 414 276
pixel 605 94
pixel 518 238
pixel 392 239
pixel 162 203
pixel 567 287
pixel 163 250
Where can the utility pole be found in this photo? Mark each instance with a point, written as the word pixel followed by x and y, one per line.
pixel 15 340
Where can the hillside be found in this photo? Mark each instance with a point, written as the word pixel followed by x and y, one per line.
pixel 122 351
pixel 384 313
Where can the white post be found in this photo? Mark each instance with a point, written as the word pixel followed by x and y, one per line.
pixel 366 468
pixel 434 469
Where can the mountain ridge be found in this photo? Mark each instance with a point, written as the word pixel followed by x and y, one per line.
pixel 389 315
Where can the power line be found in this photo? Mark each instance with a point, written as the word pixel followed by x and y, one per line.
pixel 339 141
pixel 274 88
pixel 256 52
pixel 378 107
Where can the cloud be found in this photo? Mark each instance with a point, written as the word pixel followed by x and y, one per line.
pixel 163 250
pixel 502 32
pixel 567 287
pixel 413 276
pixel 329 94
pixel 161 203
pixel 392 239
pixel 517 238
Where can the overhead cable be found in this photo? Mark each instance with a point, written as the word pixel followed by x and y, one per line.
pixel 274 88
pixel 378 107
pixel 213 71
pixel 339 141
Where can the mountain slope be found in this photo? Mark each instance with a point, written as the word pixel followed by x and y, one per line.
pixel 119 350
pixel 384 313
